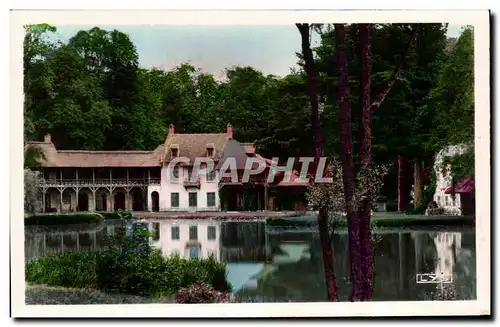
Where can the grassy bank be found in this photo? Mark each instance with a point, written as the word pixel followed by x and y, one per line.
pixel 383 220
pixel 51 219
pixel 47 295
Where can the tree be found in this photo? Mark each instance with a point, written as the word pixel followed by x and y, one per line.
pixel 453 104
pixel 33 157
pixel 324 235
pixel 359 232
pixel 33 181
pixel 36 78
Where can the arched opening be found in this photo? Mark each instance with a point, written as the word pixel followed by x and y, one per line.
pixel 83 201
pixel 137 200
pixel 48 205
pixel 155 201
pixel 68 202
pixel 101 201
pixel 119 201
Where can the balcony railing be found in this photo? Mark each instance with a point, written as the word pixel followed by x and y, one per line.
pixel 191 183
pixel 251 180
pixel 111 182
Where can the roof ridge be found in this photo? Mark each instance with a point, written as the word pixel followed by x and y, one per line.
pixel 109 151
pixel 176 134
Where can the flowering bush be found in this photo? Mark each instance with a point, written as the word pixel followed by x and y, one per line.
pixel 369 181
pixel 200 293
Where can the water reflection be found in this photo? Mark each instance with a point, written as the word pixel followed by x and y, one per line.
pixel 287 265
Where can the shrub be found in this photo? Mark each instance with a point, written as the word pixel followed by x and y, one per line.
pixel 70 269
pixel 122 214
pixel 200 293
pixel 115 271
pixel 435 211
pixel 63 219
pixel 419 210
pixel 392 206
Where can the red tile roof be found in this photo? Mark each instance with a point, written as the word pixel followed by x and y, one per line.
pixel 465 185
pixel 88 159
pixel 188 145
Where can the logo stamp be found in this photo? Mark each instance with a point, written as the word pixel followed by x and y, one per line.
pixel 434 278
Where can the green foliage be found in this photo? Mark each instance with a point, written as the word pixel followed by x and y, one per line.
pixel 396 221
pixel 453 101
pixel 392 206
pixel 462 165
pixel 33 157
pixel 63 219
pixel 90 93
pixel 401 125
pixel 430 189
pixel 122 214
pixel 115 271
pixel 33 181
pixel 419 210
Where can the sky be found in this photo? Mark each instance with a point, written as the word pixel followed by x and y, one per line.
pixel 211 48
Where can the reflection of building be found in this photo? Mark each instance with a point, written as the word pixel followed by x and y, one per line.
pixel 40 243
pixel 187 238
pixel 243 242
pixel 447 247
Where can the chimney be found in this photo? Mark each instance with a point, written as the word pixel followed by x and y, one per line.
pixel 171 129
pixel 47 138
pixel 229 131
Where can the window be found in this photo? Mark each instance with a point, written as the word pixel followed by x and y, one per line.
pixel 211 233
pixel 446 200
pixel 175 233
pixel 175 152
pixel 211 176
pixel 193 199
pixel 174 173
pixel 194 253
pixel 190 173
pixel 439 199
pixel 211 199
pixel 193 233
pixel 174 200
pixel 210 152
pixel 453 201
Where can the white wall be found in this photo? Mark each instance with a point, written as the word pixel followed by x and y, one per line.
pixel 443 181
pixel 170 247
pixel 168 186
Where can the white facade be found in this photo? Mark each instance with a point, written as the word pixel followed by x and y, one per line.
pixel 450 204
pixel 170 188
pixel 188 238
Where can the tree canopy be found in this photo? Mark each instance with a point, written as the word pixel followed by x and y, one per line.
pixel 91 93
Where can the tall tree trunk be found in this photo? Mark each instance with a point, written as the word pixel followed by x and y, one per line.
pixel 366 161
pixel 313 91
pixel 326 243
pixel 348 163
pixel 417 183
pixel 402 200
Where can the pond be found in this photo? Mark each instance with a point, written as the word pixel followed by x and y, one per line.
pixel 266 263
